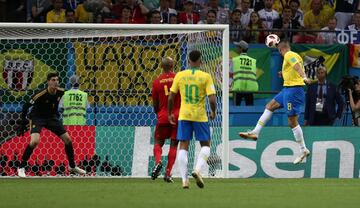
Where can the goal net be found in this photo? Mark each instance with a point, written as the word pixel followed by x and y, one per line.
pixel 116 65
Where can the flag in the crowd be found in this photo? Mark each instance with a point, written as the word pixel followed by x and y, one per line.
pixel 335 58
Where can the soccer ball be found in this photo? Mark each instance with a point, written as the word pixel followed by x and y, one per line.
pixel 272 40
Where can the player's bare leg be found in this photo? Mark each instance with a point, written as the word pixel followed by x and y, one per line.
pixel 269 109
pixel 299 138
pixel 35 139
pixel 69 150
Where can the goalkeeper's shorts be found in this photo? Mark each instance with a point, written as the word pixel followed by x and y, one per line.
pixel 52 124
pixel 186 129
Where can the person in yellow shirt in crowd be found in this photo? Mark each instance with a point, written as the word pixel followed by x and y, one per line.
pixel 82 15
pixel 57 15
pixel 291 97
pixel 317 17
pixel 328 5
pixel 194 86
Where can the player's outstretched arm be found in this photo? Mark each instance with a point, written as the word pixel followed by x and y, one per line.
pixel 299 70
pixel 212 101
pixel 171 116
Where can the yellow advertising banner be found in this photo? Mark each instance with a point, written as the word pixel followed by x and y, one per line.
pixel 121 73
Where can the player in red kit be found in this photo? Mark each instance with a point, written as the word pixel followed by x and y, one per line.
pixel 164 130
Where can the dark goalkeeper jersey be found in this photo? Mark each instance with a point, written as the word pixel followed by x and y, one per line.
pixel 45 105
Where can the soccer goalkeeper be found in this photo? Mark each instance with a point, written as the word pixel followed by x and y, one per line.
pixel 44 113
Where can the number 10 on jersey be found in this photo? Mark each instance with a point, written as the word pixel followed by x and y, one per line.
pixel 191 94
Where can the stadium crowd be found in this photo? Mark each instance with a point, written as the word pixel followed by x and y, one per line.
pixel 245 17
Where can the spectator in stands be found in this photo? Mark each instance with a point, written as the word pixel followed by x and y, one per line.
pixel 173 19
pixel 323 101
pixel 244 75
pixel 210 18
pixel 125 15
pixel 285 23
pixel 329 7
pixel 137 7
pixel 314 19
pixel 344 11
pixel 166 11
pixel 354 102
pixel 280 4
pixel 297 14
pixel 245 12
pixel 252 34
pixel 317 17
pixel 69 16
pixel 268 15
pixel 236 29
pixel 155 17
pixel 329 37
pixel 356 22
pixel 57 15
pixel 83 15
pixel 189 16
pixel 222 16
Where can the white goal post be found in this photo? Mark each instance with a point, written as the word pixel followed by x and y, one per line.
pixel 116 64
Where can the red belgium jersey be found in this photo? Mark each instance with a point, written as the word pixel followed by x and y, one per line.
pixel 160 91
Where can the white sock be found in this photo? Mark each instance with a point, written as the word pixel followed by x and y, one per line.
pixel 262 121
pixel 299 137
pixel 202 158
pixel 183 162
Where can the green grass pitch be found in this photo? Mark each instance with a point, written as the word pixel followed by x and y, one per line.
pixel 229 193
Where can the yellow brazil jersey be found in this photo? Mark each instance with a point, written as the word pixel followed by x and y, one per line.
pixel 316 22
pixel 83 16
pixel 290 75
pixel 194 86
pixel 55 17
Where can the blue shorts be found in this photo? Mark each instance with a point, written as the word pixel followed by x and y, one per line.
pixel 292 98
pixel 186 129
